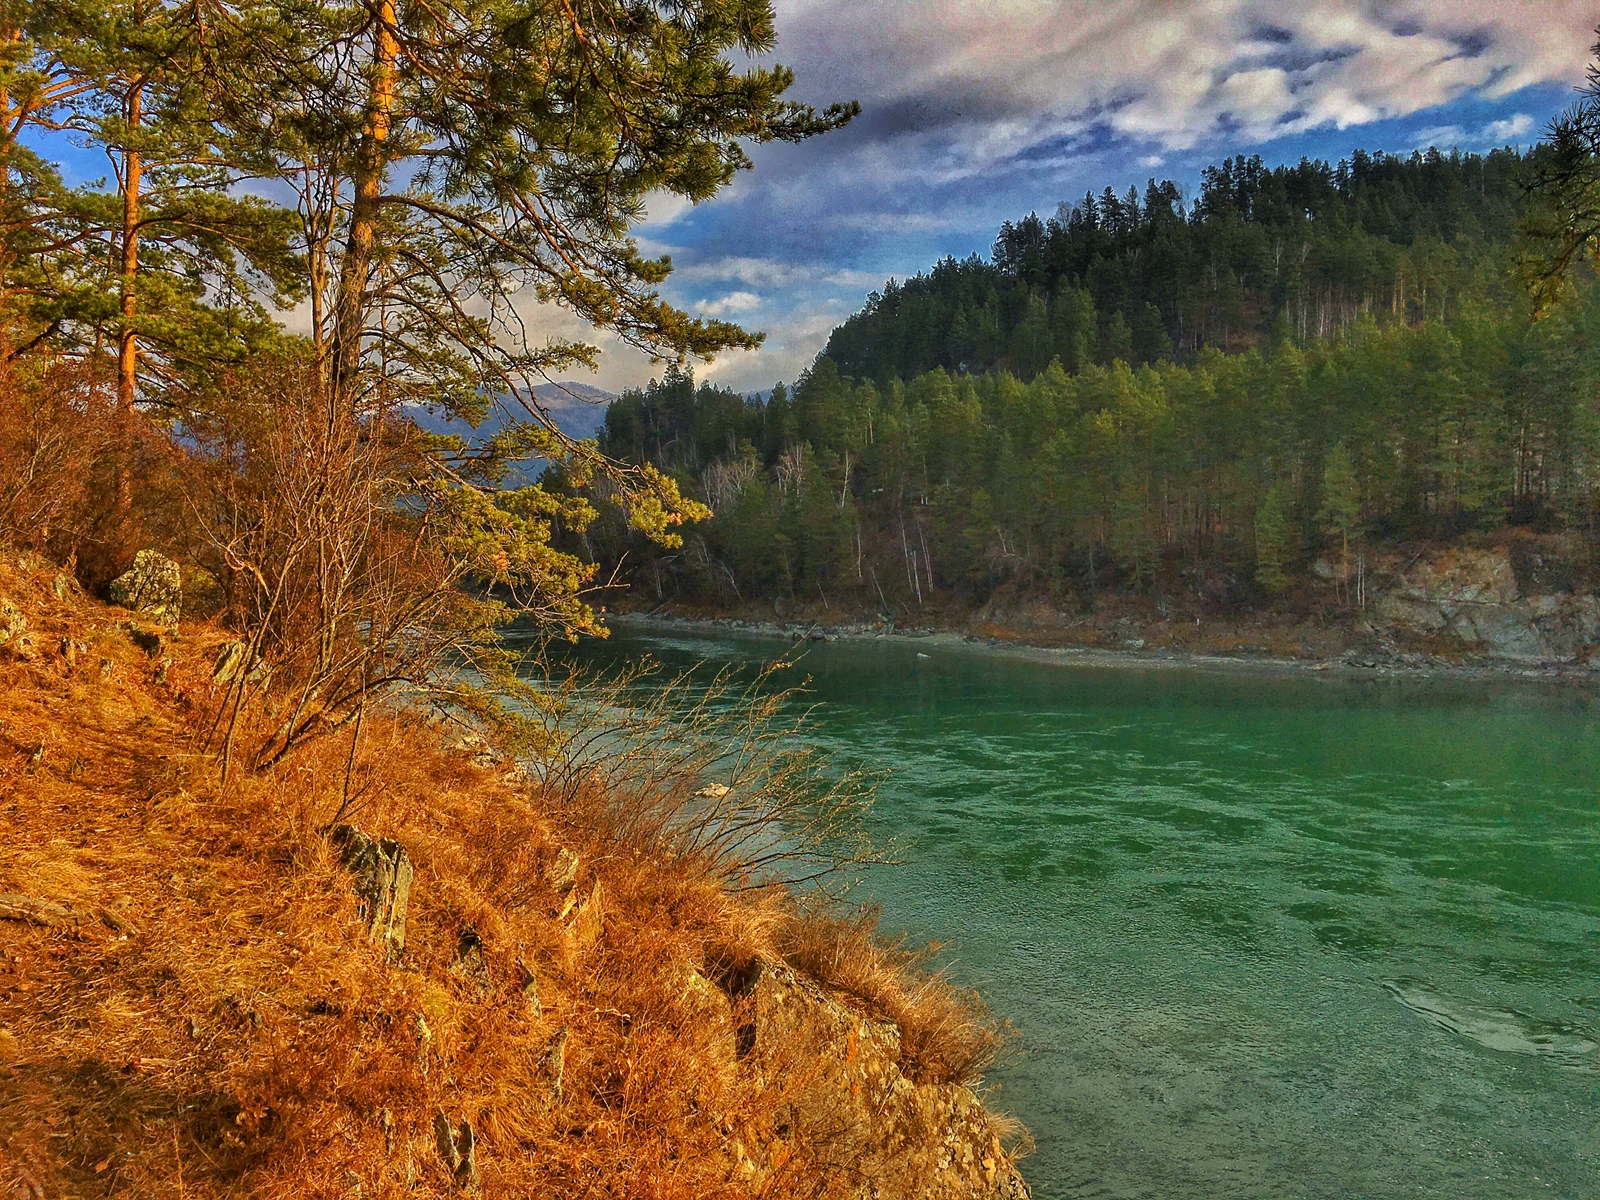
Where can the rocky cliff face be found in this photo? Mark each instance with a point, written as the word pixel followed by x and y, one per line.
pixel 1479 601
pixel 1526 600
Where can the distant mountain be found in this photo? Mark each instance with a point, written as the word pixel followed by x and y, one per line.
pixel 578 409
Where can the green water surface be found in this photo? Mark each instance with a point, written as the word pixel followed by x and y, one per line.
pixel 1260 935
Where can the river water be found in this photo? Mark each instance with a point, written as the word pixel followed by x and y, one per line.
pixel 1260 935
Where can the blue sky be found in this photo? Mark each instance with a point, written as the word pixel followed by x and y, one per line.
pixel 979 111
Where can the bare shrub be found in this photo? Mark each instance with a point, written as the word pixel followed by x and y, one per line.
pixel 49 439
pixel 85 484
pixel 356 563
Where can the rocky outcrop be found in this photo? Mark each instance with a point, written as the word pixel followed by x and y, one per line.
pixel 14 634
pixel 881 1135
pixel 153 588
pixel 1474 599
pixel 458 1148
pixel 382 884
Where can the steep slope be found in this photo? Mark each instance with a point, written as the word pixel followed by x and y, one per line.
pixel 202 992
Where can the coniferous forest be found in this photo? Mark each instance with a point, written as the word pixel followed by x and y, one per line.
pixel 1299 363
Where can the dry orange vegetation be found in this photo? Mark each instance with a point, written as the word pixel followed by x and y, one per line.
pixel 211 1018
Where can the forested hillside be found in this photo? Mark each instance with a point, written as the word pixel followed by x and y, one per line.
pixel 1197 401
pixel 1315 247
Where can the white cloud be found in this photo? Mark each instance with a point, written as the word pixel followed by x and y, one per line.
pixel 770 273
pixel 1518 126
pixel 1495 133
pixel 724 306
pixel 1442 136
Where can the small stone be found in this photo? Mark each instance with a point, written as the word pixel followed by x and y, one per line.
pixel 233 661
pixel 13 625
pixel 148 640
pixel 530 991
pixel 153 588
pixel 469 965
pixel 554 1063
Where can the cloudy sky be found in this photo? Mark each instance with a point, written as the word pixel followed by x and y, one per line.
pixel 977 111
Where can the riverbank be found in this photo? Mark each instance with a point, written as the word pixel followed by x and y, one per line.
pixel 1504 609
pixel 1377 662
pixel 394 965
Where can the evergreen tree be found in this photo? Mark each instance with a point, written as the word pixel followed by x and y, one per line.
pixel 458 175
pixel 1272 537
pixel 1340 511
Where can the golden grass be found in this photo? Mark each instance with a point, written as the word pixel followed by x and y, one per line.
pixel 240 1037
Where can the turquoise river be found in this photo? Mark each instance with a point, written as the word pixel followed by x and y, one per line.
pixel 1261 934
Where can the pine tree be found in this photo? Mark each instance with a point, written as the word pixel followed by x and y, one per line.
pixel 459 161
pixel 175 264
pixel 1340 511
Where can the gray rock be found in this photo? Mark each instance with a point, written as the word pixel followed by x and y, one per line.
pixel 459 1149
pixel 1503 630
pixel 382 871
pixel 233 661
pixel 905 1140
pixel 148 640
pixel 470 965
pixel 153 588
pixel 562 872
pixel 554 1064
pixel 14 635
pixel 530 991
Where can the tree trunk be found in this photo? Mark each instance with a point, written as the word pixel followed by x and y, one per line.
pixel 356 270
pixel 127 343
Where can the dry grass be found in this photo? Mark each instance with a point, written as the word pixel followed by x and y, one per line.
pixel 240 1037
pixel 946 1033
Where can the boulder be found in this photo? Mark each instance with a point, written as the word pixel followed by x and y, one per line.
pixel 382 871
pixel 153 588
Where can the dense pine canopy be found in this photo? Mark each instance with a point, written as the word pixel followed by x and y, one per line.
pixel 1314 246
